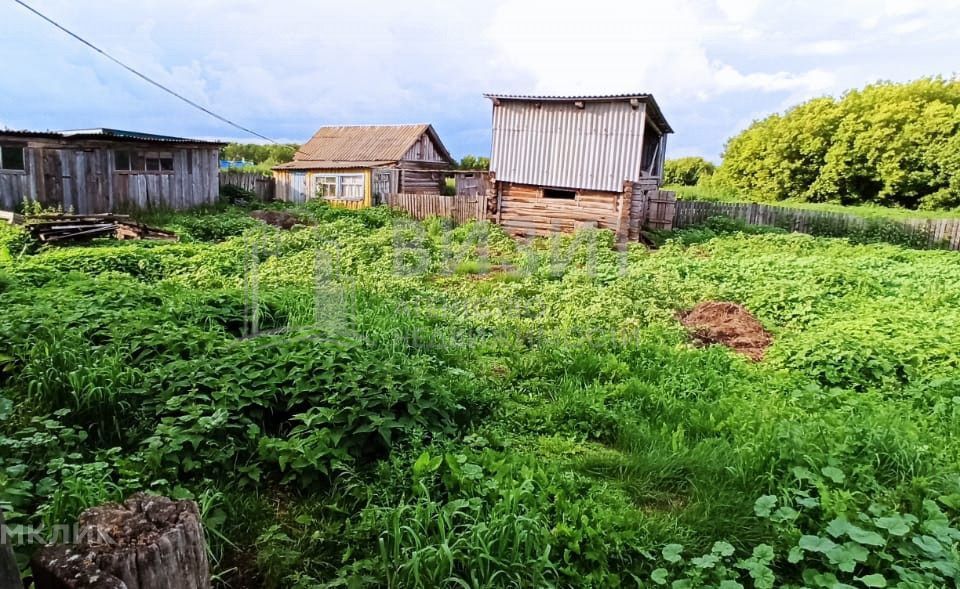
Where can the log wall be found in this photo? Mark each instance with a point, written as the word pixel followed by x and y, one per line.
pixel 524 211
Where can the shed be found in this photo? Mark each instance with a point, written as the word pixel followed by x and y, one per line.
pixel 106 170
pixel 357 165
pixel 562 162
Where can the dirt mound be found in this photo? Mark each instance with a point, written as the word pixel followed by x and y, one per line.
pixel 281 219
pixel 728 324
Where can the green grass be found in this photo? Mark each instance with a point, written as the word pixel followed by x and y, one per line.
pixel 404 404
pixel 870 212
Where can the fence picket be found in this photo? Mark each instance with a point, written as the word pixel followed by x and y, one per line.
pixel 938 232
pixel 460 208
pixel 263 186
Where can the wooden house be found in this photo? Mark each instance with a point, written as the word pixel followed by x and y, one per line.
pixel 357 166
pixel 564 162
pixel 106 170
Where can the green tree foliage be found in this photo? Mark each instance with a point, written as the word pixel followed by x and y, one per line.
pixel 474 162
pixel 261 157
pixel 888 144
pixel 687 171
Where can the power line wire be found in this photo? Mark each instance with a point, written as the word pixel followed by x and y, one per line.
pixel 139 75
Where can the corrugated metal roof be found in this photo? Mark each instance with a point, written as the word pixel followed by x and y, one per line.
pixel 653 109
pixel 365 143
pixel 551 143
pixel 111 134
pixel 29 134
pixel 329 165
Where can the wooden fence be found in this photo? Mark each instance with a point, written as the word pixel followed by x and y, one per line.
pixel 263 186
pixel 460 208
pixel 661 210
pixel 940 233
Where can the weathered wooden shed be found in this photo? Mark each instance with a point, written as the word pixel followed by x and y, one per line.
pixel 106 170
pixel 355 166
pixel 562 162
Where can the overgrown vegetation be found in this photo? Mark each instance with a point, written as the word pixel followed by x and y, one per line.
pixel 368 401
pixel 888 144
pixel 473 162
pixel 687 171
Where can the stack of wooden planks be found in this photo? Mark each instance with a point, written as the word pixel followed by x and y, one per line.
pixel 53 228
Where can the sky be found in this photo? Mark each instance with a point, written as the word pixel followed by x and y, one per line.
pixel 286 67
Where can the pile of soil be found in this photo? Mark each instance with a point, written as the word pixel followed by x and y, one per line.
pixel 281 219
pixel 728 324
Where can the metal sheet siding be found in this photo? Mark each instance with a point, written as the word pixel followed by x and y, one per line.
pixel 556 144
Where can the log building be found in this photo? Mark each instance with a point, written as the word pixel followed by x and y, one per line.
pixel 565 162
pixel 356 166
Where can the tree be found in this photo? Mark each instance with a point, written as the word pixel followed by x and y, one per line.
pixel 473 162
pixel 687 171
pixel 888 144
pixel 260 157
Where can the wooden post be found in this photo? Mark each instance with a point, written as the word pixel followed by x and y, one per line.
pixel 9 573
pixel 147 542
pixel 623 213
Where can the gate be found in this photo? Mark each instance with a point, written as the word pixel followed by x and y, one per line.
pixel 661 209
pixel 384 184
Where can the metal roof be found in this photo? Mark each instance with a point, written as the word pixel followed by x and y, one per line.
pixel 653 108
pixel 107 134
pixel 367 143
pixel 330 165
pixel 552 143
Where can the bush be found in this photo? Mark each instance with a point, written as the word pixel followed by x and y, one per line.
pixel 888 144
pixel 687 171
pixel 233 194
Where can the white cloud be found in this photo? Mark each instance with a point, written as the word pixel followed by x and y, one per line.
pixel 825 47
pixel 284 70
pixel 739 10
pixel 911 26
pixel 618 48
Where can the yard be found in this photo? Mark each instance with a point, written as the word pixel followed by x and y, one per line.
pixel 369 401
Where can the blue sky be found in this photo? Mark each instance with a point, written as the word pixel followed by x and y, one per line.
pixel 285 68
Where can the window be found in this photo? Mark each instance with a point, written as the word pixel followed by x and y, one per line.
pixel 351 187
pixel 11 158
pixel 342 186
pixel 134 161
pixel 122 159
pixel 327 186
pixel 557 193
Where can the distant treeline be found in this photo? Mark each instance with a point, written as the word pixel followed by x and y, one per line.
pixel 260 157
pixel 887 144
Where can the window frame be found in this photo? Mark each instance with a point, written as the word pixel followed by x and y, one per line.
pixel 23 160
pixel 140 161
pixel 322 179
pixel 574 195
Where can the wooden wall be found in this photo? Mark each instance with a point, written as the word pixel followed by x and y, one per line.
pixel 83 178
pixel 424 150
pixel 262 186
pixel 421 181
pixel 461 208
pixel 300 186
pixel 524 211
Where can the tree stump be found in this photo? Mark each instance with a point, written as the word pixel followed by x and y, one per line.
pixel 9 573
pixel 147 542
